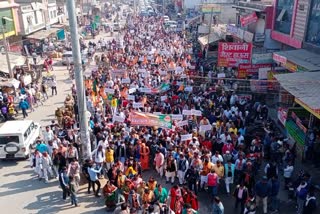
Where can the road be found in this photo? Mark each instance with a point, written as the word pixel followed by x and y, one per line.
pixel 21 192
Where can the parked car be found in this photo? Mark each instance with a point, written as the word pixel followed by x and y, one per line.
pixel 18 138
pixel 67 57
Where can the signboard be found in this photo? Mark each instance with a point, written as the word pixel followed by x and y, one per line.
pixel 231 54
pixel 203 29
pixel 126 80
pixel 137 105
pixel 250 69
pixel 204 128
pixel 146 119
pixel 246 20
pixel 119 73
pixel 278 58
pixel 265 58
pixel 210 8
pixel 131 97
pixel 177 116
pixel 282 115
pixel 259 37
pixel 118 119
pixel 109 90
pixel 186 137
pixel 182 123
pixel 247 36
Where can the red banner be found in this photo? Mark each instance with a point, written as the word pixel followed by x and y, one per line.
pixel 250 69
pixel 231 54
pixel 246 20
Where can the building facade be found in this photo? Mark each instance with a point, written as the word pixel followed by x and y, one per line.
pixel 35 15
pixel 9 9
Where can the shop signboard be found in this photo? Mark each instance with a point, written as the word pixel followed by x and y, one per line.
pixel 211 8
pixel 235 31
pixel 245 70
pixel 265 58
pixel 247 36
pixel 282 115
pixel 231 54
pixel 278 58
pixel 246 20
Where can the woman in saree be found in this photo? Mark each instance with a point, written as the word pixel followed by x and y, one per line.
pixel 109 192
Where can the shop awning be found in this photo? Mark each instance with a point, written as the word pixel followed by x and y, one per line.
pixel 9 83
pixel 43 34
pixel 15 60
pixel 212 38
pixel 299 60
pixel 305 87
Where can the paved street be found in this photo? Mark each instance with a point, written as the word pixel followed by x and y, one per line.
pixel 29 195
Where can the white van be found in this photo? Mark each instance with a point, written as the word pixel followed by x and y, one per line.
pixel 17 138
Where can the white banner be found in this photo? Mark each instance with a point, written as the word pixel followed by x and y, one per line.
pixel 204 128
pixel 196 112
pixel 163 73
pixel 126 81
pixel 118 119
pixel 131 97
pixel 132 90
pixel 186 137
pixel 142 70
pixel 145 90
pixel 177 116
pixel 137 105
pixel 163 98
pixel 187 112
pixel 188 88
pixel 109 90
pixel 182 123
pixel 157 113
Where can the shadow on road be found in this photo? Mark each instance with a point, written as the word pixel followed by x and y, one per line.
pixel 8 163
pixel 50 202
pixel 24 186
pixel 19 173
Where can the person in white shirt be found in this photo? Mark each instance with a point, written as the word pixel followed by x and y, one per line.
pixel 216 157
pixel 48 134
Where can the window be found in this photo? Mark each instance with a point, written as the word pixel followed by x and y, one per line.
pixel 284 12
pixel 313 35
pixel 35 18
pixel 8 139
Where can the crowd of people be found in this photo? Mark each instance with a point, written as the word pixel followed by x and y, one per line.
pixel 202 147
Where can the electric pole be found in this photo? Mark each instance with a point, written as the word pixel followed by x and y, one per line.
pixel 210 24
pixel 81 100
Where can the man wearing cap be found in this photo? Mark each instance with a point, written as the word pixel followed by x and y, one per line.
pixel 183 166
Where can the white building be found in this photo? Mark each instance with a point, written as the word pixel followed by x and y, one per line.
pixel 31 18
pixel 35 15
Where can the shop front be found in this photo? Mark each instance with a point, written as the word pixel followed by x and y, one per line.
pixel 297 60
pixel 303 116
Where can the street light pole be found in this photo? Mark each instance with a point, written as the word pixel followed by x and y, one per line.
pixel 210 24
pixel 83 120
pixel 6 51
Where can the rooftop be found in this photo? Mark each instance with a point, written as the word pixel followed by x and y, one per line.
pixel 304 86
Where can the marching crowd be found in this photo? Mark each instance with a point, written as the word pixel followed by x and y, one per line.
pixel 139 80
